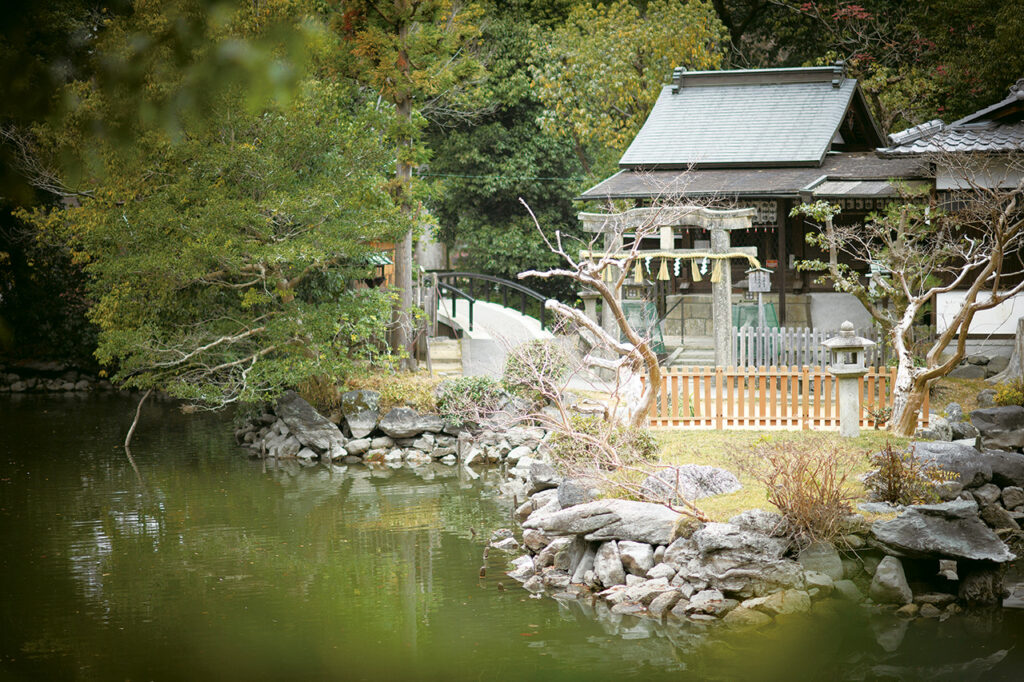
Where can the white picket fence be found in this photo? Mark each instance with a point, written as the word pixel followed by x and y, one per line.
pixel 793 346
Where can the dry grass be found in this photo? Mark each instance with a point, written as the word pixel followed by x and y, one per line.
pixel 410 389
pixel 718 448
pixel 964 391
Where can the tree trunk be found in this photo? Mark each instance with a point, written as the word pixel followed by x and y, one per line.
pixel 1014 370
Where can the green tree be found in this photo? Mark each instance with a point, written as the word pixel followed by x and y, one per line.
pixel 599 73
pixel 480 168
pixel 415 55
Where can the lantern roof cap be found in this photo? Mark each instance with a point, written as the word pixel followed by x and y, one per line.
pixel 847 338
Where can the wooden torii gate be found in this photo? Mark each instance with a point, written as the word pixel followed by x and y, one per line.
pixel 665 220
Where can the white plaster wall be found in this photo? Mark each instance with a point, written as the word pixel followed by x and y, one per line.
pixel 829 310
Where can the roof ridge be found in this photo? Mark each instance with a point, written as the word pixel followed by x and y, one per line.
pixel 834 74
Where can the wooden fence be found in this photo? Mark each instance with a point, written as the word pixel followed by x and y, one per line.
pixel 788 346
pixel 774 397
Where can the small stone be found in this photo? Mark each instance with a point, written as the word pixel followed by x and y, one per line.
pixel 939 599
pixel 637 557
pixel 930 611
pixel 1013 497
pixel 819 581
pixel 522 568
pixel 741 617
pixel 506 545
pixel 986 494
pixel 555 579
pixel 908 611
pixel 781 603
pixel 608 565
pixel 998 518
pixel 889 585
pixel 987 398
pixel 849 591
pixel 534 584
pixel 632 580
pixel 382 442
pixel 823 558
pixel 663 603
pixel 662 571
pixel 852 541
pixel 535 540
pixel 629 608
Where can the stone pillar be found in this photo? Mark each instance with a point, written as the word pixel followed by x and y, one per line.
pixel 849 407
pixel 590 304
pixel 612 244
pixel 721 300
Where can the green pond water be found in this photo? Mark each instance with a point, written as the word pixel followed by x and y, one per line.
pixel 218 567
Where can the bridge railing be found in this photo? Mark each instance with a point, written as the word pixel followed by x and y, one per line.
pixel 476 286
pixel 456 293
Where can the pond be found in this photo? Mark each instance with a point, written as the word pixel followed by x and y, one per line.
pixel 221 567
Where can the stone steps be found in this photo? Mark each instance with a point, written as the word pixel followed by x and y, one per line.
pixel 445 357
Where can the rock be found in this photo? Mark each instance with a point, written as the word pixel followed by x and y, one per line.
pixel 573 491
pixel 945 530
pixel 541 476
pixel 310 427
pixel 967 372
pixel 555 579
pixel 534 584
pixel 357 447
pixel 661 571
pixel 963 430
pixel 637 557
pixel 908 611
pixel 663 603
pixel 688 482
pixel 1000 428
pixel 953 412
pixel 395 455
pixel 535 540
pixel 742 617
pixel 761 521
pixel 889 586
pixel 986 494
pixel 425 442
pixel 997 365
pixel 608 565
pixel 1007 467
pixel 929 611
pixel 971 468
pixel 998 518
pixel 819 581
pixel 522 568
pixel 307 454
pixel 781 603
pixel 939 599
pixel 417 458
pixel 382 443
pixel 1013 496
pixel 849 591
pixel 938 429
pixel 977 359
pixel 585 564
pixel 506 545
pixel 821 557
pixel 517 453
pixel 948 490
pixel 628 608
pixel 405 422
pixel 546 557
pixel 645 591
pixel 987 398
pixel 611 519
pixel 980 584
pixel 361 409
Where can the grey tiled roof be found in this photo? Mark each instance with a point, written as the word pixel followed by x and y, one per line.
pixel 861 168
pixel 979 137
pixel 994 129
pixel 710 122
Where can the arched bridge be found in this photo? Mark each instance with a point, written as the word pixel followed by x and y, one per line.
pixel 492 313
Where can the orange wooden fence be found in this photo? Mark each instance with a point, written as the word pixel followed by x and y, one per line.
pixel 764 397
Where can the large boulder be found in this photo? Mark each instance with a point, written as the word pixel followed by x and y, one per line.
pixel 405 422
pixel 971 467
pixel 950 530
pixel 608 565
pixel 610 520
pixel 310 427
pixel 1007 467
pixel 1000 428
pixel 688 482
pixel 361 409
pixel 889 584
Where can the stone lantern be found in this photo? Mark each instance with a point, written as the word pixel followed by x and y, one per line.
pixel 847 361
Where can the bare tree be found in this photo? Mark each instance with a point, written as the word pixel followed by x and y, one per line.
pixel 920 250
pixel 605 273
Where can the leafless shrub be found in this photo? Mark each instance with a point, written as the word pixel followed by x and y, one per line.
pixel 806 481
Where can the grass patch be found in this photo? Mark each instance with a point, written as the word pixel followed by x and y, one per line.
pixel 718 448
pixel 950 390
pixel 398 389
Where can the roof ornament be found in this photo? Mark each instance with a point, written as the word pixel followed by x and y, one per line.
pixel 838 73
pixel 1017 89
pixel 677 78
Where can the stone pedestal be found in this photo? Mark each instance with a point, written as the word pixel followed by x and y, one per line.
pixel 849 407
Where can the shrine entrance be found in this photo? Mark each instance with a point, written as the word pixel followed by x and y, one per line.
pixel 664 270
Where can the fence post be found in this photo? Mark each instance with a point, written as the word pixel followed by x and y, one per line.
pixel 718 397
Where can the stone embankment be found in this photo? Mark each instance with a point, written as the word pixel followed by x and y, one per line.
pixel 398 437
pixel 642 559
pixel 49 377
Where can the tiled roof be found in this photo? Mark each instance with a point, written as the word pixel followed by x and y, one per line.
pixel 866 169
pixel 974 137
pixel 746 117
pixel 994 129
